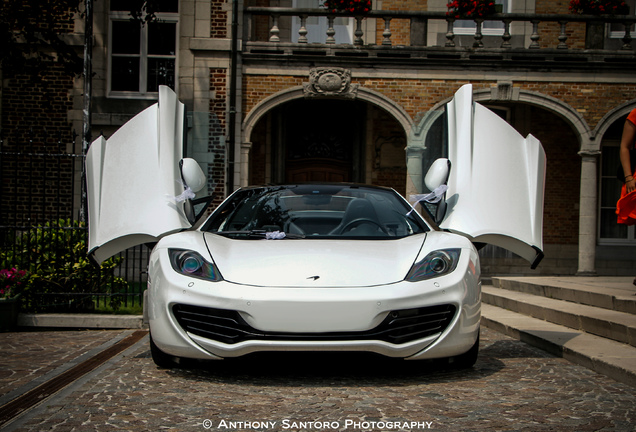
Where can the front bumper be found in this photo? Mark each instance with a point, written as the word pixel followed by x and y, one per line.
pixel 313 319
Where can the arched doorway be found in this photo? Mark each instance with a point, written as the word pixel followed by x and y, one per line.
pixel 319 140
pixel 328 140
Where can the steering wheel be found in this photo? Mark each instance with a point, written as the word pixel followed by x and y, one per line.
pixel 359 221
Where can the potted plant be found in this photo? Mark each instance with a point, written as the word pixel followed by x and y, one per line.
pixel 12 282
pixel 595 30
pixel 348 6
pixel 471 9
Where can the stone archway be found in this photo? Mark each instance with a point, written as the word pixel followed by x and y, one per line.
pixel 611 117
pixel 324 84
pixel 504 93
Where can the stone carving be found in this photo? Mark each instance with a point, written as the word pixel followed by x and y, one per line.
pixel 330 82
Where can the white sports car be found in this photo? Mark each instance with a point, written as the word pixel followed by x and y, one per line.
pixel 320 267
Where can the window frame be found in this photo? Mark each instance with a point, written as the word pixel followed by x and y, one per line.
pixel 630 236
pixel 143 93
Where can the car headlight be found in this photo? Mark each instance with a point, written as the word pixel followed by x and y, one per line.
pixel 190 263
pixel 436 263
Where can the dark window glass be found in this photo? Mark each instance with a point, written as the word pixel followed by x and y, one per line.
pixel 162 38
pixel 125 74
pixel 609 228
pixel 160 72
pixel 316 211
pixel 126 37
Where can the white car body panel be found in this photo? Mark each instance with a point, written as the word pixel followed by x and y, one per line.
pixel 496 184
pixel 133 179
pixel 315 309
pixel 295 263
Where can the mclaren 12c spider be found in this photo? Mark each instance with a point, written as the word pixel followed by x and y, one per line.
pixel 316 267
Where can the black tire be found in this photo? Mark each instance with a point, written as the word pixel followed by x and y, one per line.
pixel 468 359
pixel 160 358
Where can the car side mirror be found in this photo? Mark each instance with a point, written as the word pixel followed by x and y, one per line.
pixel 437 176
pixel 194 179
pixel 192 174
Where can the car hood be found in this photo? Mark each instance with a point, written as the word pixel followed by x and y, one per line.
pixel 133 179
pixel 496 183
pixel 314 263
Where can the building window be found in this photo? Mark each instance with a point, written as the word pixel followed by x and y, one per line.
pixel 142 57
pixel 616 30
pixel 609 231
pixel 488 28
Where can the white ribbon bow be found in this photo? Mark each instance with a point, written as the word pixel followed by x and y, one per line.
pixel 275 235
pixel 185 195
pixel 432 197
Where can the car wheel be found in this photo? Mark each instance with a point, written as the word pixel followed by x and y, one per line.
pixel 160 358
pixel 468 359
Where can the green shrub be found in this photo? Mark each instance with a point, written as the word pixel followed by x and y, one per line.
pixel 55 257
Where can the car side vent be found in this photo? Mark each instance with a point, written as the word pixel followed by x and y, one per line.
pixel 400 326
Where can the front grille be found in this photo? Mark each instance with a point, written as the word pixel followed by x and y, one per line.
pixel 398 327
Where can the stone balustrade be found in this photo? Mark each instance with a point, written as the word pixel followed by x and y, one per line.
pixel 532 26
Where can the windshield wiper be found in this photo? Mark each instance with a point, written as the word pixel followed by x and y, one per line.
pixel 270 235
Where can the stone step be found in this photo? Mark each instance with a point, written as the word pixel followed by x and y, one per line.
pixel 610 324
pixel 613 359
pixel 615 293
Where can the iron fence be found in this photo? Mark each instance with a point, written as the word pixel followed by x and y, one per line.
pixel 41 231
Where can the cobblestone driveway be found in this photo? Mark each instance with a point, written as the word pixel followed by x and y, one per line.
pixel 512 387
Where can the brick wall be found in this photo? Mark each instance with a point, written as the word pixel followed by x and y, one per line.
pixel 400 28
pixel 218 20
pixel 34 121
pixel 218 109
pixel 38 103
pixel 549 32
pixel 258 87
pixel 591 100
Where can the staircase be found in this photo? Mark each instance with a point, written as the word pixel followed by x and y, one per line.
pixel 590 321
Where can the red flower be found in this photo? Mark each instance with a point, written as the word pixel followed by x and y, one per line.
pixel 468 9
pixel 599 7
pixel 350 6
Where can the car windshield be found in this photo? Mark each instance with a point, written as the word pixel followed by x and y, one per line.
pixel 315 211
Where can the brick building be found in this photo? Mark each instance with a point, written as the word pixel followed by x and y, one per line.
pixel 297 95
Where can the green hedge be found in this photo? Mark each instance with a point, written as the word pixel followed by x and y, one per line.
pixel 59 271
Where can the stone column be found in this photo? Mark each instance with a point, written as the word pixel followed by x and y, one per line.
pixel 588 213
pixel 414 175
pixel 245 163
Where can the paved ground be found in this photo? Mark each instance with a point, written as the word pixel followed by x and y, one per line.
pixel 512 387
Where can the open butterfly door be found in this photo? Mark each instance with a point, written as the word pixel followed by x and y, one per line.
pixel 496 180
pixel 135 185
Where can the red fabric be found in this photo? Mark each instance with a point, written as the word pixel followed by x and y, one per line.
pixel 626 205
pixel 632 117
pixel 626 208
